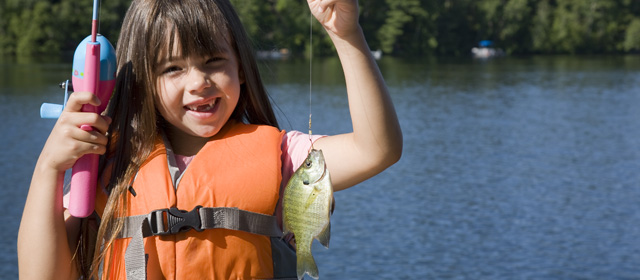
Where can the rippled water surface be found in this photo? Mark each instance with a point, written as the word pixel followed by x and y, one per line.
pixel 515 168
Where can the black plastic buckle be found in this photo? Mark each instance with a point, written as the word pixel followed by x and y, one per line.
pixel 172 220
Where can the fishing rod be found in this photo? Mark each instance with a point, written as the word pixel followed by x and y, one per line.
pixel 94 70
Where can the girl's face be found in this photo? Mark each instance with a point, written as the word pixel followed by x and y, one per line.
pixel 197 95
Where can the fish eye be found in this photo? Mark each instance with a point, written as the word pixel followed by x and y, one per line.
pixel 307 163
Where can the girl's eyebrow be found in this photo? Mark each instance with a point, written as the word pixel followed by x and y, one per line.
pixel 166 59
pixel 219 49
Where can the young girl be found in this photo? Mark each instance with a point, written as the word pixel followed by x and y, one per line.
pixel 193 160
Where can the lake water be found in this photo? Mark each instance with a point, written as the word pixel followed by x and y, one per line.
pixel 513 168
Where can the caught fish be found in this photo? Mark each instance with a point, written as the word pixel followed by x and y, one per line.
pixel 307 204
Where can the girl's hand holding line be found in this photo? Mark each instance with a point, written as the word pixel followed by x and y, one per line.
pixel 338 17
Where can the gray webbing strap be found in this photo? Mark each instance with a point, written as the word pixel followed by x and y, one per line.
pixel 164 221
pixel 134 257
pixel 236 219
pixel 171 221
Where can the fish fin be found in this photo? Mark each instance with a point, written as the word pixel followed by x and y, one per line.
pixel 333 204
pixel 307 264
pixel 324 235
pixel 311 198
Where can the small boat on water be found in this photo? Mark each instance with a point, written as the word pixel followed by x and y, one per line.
pixel 485 49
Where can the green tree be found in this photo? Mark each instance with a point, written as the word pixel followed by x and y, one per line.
pixel 5 40
pixel 111 15
pixel 74 18
pixel 257 20
pixel 584 26
pixel 407 21
pixel 293 20
pixel 398 27
pixel 459 27
pixel 34 30
pixel 492 19
pixel 516 29
pixel 38 27
pixel 632 36
pixel 541 29
pixel 371 19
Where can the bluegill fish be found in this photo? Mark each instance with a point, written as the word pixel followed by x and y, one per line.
pixel 306 209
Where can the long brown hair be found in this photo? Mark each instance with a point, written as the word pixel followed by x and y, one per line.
pixel 199 26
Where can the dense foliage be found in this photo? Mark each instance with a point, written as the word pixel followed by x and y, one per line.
pixel 398 27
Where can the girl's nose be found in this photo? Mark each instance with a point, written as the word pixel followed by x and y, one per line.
pixel 197 81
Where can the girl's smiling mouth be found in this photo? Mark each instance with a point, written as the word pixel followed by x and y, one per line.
pixel 204 109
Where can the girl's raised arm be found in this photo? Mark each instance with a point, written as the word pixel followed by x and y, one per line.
pixel 47 237
pixel 376 140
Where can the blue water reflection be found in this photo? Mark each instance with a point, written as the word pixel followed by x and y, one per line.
pixel 516 168
pixel 519 168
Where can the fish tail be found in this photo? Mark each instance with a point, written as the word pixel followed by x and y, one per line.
pixel 307 264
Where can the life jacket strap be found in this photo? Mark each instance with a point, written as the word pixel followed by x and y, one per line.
pixel 172 221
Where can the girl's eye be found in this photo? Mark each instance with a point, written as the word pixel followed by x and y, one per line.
pixel 214 59
pixel 171 69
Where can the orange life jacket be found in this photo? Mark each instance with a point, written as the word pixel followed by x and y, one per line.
pixel 240 167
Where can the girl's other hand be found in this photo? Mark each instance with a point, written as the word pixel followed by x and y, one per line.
pixel 67 141
pixel 339 17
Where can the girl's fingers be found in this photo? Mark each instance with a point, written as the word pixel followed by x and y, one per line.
pixel 80 98
pixel 324 4
pixel 318 6
pixel 90 137
pixel 339 17
pixel 71 132
pixel 74 107
pixel 68 141
pixel 91 145
pixel 79 119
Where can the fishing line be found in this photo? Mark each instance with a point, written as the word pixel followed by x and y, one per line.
pixel 310 70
